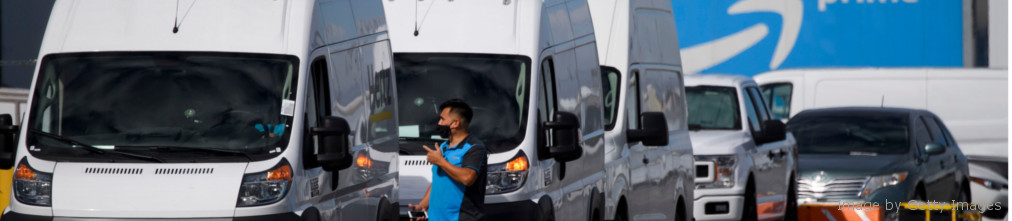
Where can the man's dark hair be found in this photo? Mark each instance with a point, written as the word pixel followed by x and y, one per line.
pixel 458 107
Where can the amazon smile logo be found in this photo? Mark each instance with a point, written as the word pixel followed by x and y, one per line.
pixel 708 54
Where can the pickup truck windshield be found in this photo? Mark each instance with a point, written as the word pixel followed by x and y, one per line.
pixel 713 108
pixel 851 134
pixel 163 101
pixel 495 86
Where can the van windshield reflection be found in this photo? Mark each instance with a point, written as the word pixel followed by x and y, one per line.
pixel 138 100
pixel 495 86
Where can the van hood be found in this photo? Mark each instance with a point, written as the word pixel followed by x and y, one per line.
pixel 847 166
pixel 717 142
pixel 146 190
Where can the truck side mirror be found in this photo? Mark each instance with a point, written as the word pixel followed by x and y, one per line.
pixel 773 130
pixel 565 137
pixel 332 140
pixel 934 149
pixel 654 131
pixel 8 141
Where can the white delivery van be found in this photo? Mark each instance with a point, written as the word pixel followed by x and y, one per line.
pixel 230 110
pixel 529 70
pixel 648 155
pixel 746 162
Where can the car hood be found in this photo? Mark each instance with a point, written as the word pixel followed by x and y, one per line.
pixel 717 142
pixel 848 166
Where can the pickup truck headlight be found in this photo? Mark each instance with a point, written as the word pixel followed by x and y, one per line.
pixel 33 187
pixel 725 166
pixel 507 177
pixel 877 182
pixel 265 187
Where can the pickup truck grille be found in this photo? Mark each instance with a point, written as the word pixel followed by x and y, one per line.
pixel 833 189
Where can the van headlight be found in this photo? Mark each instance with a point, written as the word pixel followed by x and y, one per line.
pixel 724 174
pixel 507 177
pixel 265 187
pixel 31 186
pixel 877 182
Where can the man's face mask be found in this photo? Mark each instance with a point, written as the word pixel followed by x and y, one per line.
pixel 443 130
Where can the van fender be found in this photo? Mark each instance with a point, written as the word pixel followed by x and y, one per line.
pixel 620 187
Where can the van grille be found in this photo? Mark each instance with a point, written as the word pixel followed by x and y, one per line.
pixel 416 163
pixel 849 188
pixel 181 171
pixel 113 170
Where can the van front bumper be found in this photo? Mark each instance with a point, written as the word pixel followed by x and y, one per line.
pixel 522 210
pixel 280 217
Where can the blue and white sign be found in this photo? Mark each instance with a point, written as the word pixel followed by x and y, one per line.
pixel 749 37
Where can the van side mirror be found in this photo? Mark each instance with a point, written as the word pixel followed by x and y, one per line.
pixel 654 131
pixel 934 149
pixel 565 137
pixel 8 141
pixel 773 130
pixel 332 140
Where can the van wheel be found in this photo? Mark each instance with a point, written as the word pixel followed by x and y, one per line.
pixel 387 211
pixel 749 213
pixel 311 214
pixel 680 211
pixel 545 213
pixel 792 200
pixel 622 214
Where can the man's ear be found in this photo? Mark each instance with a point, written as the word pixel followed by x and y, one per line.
pixel 455 124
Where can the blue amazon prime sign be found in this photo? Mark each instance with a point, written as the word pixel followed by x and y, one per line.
pixel 749 37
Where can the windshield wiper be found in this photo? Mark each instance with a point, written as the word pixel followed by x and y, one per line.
pixel 94 149
pixel 209 150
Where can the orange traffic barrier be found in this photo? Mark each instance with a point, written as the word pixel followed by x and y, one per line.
pixel 834 211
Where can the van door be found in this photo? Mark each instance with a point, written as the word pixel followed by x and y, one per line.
pixel 659 90
pixel 641 192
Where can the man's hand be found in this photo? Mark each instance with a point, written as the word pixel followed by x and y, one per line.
pixel 417 208
pixel 435 155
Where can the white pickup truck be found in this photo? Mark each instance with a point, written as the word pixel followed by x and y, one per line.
pixel 746 163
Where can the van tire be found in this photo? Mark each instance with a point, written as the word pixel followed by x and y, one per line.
pixel 623 211
pixel 545 210
pixel 387 211
pixel 596 205
pixel 311 214
pixel 680 210
pixel 749 212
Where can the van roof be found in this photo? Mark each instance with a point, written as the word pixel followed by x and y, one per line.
pixel 726 80
pixel 123 25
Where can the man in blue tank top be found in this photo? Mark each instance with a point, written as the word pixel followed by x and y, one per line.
pixel 459 169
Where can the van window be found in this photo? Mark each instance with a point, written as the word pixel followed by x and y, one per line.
pixel 154 101
pixel 712 107
pixel 753 115
pixel 610 81
pixel 546 101
pixel 660 91
pixel 632 102
pixel 778 97
pixel 317 105
pixel 495 86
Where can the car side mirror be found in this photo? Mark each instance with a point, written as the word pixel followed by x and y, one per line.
pixel 332 141
pixel 773 130
pixel 934 149
pixel 654 131
pixel 565 137
pixel 8 141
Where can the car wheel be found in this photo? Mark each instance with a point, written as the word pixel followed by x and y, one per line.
pixel 749 213
pixel 919 194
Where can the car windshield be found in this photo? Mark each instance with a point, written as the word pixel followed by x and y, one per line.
pixel 495 86
pixel 143 100
pixel 712 107
pixel 850 134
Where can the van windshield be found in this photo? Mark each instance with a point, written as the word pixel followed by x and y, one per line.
pixel 172 103
pixel 713 108
pixel 495 86
pixel 850 134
